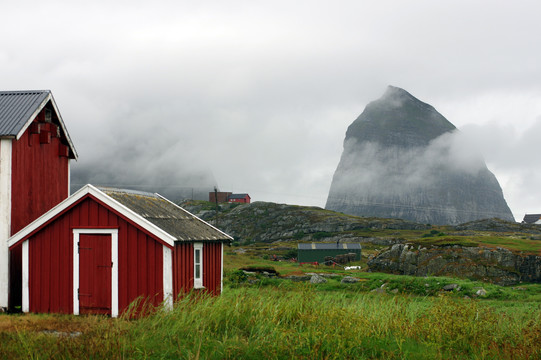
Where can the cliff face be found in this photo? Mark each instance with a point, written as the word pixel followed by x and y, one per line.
pixel 403 159
pixel 499 266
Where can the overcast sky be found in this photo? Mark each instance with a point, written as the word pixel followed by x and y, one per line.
pixel 260 93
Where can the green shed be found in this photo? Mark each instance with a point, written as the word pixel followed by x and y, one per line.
pixel 318 252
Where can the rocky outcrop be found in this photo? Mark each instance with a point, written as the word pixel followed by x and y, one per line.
pixel 500 266
pixel 403 159
pixel 269 222
pixel 499 225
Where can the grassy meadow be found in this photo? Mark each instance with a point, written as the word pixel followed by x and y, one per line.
pixel 275 318
pixel 304 322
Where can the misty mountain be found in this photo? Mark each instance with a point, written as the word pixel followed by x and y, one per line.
pixel 403 159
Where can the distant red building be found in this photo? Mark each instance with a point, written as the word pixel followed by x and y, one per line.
pixel 239 198
pixel 224 197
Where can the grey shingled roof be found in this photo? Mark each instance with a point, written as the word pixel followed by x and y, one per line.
pixel 16 108
pixel 340 246
pixel 166 215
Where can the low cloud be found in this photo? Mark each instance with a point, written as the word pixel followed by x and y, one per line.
pixel 375 169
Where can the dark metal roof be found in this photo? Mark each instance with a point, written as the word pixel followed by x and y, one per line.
pixel 238 196
pixel 166 215
pixel 531 218
pixel 327 246
pixel 16 108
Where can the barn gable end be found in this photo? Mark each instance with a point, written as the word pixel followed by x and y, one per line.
pixel 145 262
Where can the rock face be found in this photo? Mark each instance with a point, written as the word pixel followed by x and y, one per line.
pixel 403 159
pixel 269 222
pixel 499 266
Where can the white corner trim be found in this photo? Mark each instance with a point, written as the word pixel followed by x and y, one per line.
pixel 167 278
pixel 114 274
pixel 75 273
pixel 5 217
pixel 26 273
pixel 69 176
pixel 198 283
pixel 114 269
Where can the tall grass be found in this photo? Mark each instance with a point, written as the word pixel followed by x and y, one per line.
pixel 273 323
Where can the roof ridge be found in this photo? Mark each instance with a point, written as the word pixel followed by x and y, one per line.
pixel 23 91
pixel 126 191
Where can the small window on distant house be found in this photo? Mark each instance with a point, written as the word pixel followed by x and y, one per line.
pixel 198 265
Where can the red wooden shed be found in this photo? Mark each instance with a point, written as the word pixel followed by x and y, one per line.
pixel 239 198
pixel 101 249
pixel 35 154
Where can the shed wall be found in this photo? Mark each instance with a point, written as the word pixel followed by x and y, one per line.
pixel 39 181
pixel 140 259
pixel 183 268
pixel 212 267
pixel 40 176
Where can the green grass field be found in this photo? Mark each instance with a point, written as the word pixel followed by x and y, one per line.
pixel 301 322
pixel 275 318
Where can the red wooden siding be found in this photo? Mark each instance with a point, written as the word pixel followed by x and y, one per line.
pixel 39 181
pixel 39 177
pixel 212 267
pixel 182 268
pixel 51 269
pixel 140 259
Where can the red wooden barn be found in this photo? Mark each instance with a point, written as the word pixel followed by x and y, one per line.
pixel 101 249
pixel 35 153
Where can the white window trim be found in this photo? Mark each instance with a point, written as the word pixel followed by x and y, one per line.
pixel 114 270
pixel 198 282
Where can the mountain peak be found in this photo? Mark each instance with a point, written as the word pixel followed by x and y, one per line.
pixel 394 90
pixel 398 118
pixel 403 159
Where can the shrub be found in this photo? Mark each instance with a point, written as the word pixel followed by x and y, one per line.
pixel 291 254
pixel 321 235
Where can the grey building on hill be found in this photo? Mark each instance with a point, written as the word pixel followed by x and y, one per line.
pixel 532 219
pixel 318 252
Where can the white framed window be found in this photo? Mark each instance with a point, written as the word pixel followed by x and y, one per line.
pixel 198 265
